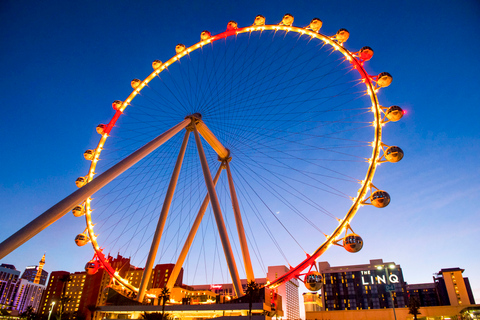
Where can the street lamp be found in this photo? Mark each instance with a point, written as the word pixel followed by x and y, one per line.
pixel 51 309
pixel 392 266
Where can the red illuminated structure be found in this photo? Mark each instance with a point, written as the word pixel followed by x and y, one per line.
pixel 273 128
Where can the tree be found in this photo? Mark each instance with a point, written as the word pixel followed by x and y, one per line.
pixel 4 312
pixel 155 316
pixel 67 315
pixel 29 314
pixel 78 315
pixel 164 295
pixel 414 307
pixel 251 292
pixel 63 299
pixel 92 308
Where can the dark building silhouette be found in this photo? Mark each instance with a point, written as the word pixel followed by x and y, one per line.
pixel 85 290
pixel 425 293
pixel 367 286
pixel 30 273
pixel 18 294
pixel 8 285
pixel 8 266
pixel 53 292
pixel 158 279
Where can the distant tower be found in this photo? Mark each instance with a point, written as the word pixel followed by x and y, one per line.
pixel 39 271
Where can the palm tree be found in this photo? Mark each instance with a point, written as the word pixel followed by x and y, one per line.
pixel 413 307
pixel 164 295
pixel 64 299
pixel 29 313
pixel 251 292
pixel 154 316
pixel 92 308
pixel 79 315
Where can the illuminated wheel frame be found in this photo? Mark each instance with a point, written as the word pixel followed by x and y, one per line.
pixel 372 84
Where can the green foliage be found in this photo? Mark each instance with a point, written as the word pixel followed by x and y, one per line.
pixel 29 314
pixel 64 299
pixel 156 316
pixel 414 307
pixel 64 316
pixel 65 278
pixel 164 295
pixel 252 293
pixel 252 289
pixel 79 315
pixel 92 308
pixel 4 312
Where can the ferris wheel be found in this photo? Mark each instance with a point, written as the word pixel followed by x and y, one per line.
pixel 292 136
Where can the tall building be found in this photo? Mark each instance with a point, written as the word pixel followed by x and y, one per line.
pixel 53 292
pixel 81 291
pixel 8 280
pixel 36 274
pixel 366 292
pixel 93 292
pixel 28 294
pixel 452 288
pixel 17 294
pixel 74 291
pixel 366 286
pixel 30 273
pixel 288 291
pixel 158 279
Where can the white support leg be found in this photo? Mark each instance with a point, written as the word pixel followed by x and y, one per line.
pixel 147 272
pixel 193 231
pixel 67 204
pixel 241 231
pixel 232 267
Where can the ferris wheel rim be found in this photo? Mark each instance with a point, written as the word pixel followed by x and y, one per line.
pixel 357 201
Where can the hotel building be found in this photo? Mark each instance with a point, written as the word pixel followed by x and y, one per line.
pixel 8 280
pixel 370 291
pixel 31 272
pixel 363 286
pixel 27 294
pixel 17 294
pixel 452 288
pixel 288 291
pixel 53 292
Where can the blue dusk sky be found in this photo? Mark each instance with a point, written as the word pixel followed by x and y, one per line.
pixel 64 62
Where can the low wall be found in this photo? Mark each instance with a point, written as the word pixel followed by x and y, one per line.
pixel 427 313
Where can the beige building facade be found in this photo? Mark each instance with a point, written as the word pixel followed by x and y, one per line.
pixel 455 285
pixel 288 291
pixel 426 313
